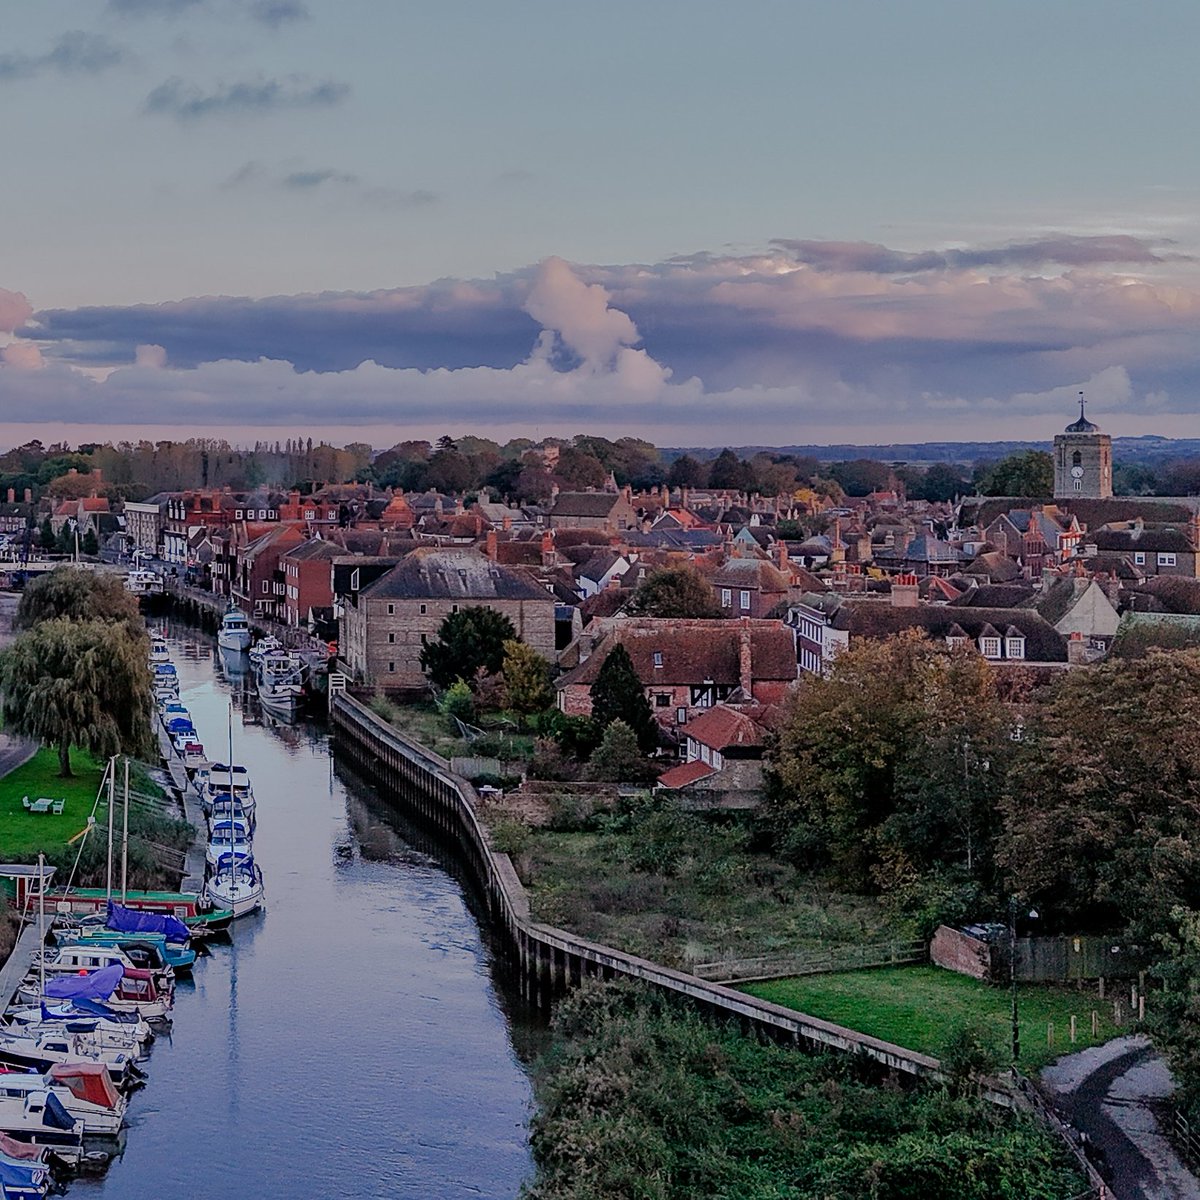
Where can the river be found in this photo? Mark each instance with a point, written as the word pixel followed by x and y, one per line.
pixel 348 1042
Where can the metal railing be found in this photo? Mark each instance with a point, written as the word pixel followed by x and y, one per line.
pixel 1187 1139
pixel 823 961
pixel 1070 1138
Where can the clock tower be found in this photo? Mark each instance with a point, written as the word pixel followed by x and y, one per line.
pixel 1082 461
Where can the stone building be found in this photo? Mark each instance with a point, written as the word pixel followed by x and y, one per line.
pixel 385 625
pixel 1082 461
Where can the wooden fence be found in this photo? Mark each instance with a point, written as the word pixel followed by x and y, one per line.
pixel 813 962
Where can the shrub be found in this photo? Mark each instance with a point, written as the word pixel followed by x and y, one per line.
pixel 458 701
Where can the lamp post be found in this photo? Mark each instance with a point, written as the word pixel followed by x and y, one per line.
pixel 1013 904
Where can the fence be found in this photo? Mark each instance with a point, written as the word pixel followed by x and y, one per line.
pixel 813 962
pixel 1187 1140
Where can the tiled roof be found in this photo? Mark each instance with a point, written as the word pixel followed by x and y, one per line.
pixel 999 568
pixel 584 504
pixel 1171 539
pixel 685 774
pixel 436 572
pixel 750 572
pixel 722 727
pixel 696 651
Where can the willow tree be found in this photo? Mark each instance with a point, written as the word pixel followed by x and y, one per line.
pixel 81 684
pixel 79 596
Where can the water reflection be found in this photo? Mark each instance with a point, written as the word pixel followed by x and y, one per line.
pixel 351 1041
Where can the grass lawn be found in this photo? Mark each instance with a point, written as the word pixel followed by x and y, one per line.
pixel 23 834
pixel 919 1007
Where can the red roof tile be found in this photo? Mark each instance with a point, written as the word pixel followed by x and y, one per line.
pixel 684 774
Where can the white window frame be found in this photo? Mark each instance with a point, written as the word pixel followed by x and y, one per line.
pixel 1014 647
pixel 726 597
pixel 1139 558
pixel 1167 560
pixel 658 659
pixel 989 647
pixel 744 599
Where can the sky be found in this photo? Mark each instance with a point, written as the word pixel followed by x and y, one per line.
pixel 776 221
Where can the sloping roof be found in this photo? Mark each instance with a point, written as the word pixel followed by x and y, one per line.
pixel 696 651
pixel 584 504
pixel 1090 512
pixel 871 619
pixel 997 567
pixel 750 573
pixel 685 774
pixel 723 726
pixel 445 573
pixel 995 595
pixel 598 565
pixel 1170 539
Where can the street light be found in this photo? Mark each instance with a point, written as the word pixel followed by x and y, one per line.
pixel 1012 974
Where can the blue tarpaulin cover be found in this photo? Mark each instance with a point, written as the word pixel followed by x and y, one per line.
pixel 21 1176
pixel 99 985
pixel 54 1113
pixel 132 920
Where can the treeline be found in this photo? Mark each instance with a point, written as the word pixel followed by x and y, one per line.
pixel 924 776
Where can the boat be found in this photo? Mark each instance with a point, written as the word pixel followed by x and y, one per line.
pixel 228 835
pixel 226 809
pixel 24 1172
pixel 280 679
pixel 40 1050
pixel 160 652
pixel 193 909
pixel 234 633
pixel 193 755
pixel 236 884
pixel 106 1035
pixel 144 583
pixel 83 1088
pixel 221 781
pixel 83 1010
pixel 264 646
pixel 40 1119
pixel 146 949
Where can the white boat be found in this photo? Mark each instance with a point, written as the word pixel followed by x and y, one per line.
pixel 65 1011
pixel 84 1089
pixel 40 1051
pixel 224 809
pixel 40 1119
pixel 160 652
pixel 236 884
pixel 193 755
pixel 264 646
pixel 83 959
pixel 280 679
pixel 228 835
pixel 234 633
pixel 144 583
pixel 104 1034
pixel 221 781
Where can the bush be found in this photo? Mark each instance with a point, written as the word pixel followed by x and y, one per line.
pixel 549 762
pixel 510 836
pixel 571 812
pixel 969 1053
pixel 458 701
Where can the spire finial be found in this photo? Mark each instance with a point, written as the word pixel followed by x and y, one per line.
pixel 1081 417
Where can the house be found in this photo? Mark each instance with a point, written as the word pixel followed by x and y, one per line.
pixel 688 666
pixel 308 578
pixel 259 585
pixel 600 569
pixel 749 587
pixel 601 511
pixel 385 625
pixel 144 520
pixel 723 754
pixel 1078 604
pixel 1158 548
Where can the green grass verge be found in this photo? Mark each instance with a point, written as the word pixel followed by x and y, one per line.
pixel 920 1007
pixel 23 834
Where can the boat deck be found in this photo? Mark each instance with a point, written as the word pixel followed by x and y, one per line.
pixel 19 964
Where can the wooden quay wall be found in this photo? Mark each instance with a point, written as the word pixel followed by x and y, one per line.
pixel 548 961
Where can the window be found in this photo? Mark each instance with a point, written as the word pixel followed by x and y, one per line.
pixel 391 639
pixel 745 599
pixel 662 700
pixel 424 639
pixel 989 647
pixel 240 514
pixel 1139 559
pixel 266 585
pixel 658 658
pixel 354 580
pixel 1077 459
pixel 454 608
pixel 681 716
pixel 1166 560
pixel 392 667
pixel 391 610
pixel 262 514
pixel 1014 647
pixel 424 609
pixel 1077 484
pixel 310 514
pixel 726 597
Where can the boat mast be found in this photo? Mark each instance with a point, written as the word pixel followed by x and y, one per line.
pixel 125 839
pixel 232 860
pixel 112 801
pixel 42 927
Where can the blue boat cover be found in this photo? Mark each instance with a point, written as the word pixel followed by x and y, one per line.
pixel 21 1176
pixel 165 669
pixel 55 1115
pixel 226 860
pixel 132 920
pixel 93 1008
pixel 99 985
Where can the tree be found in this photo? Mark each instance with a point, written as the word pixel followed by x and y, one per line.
pixel 1174 1016
pixel 467 640
pixel 727 472
pixel 861 476
pixel 79 684
pixel 47 538
pixel 685 472
pixel 91 544
pixel 617 695
pixel 618 758
pixel 1026 473
pixel 68 592
pixel 943 481
pixel 1103 807
pixel 578 470
pixel 675 592
pixel 526 679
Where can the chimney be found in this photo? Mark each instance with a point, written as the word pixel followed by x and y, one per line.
pixel 478 524
pixel 507 523
pixel 12 495
pixel 490 550
pixel 745 659
pixel 781 554
pixel 547 549
pixel 1077 651
pixel 28 495
pixel 294 498
pixel 905 591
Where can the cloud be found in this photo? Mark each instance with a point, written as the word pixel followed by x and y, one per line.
pixel 1057 250
pixel 305 180
pixel 23 356
pixel 154 8
pixel 150 356
pixel 14 310
pixel 251 97
pixel 780 346
pixel 74 53
pixel 276 13
pixel 291 177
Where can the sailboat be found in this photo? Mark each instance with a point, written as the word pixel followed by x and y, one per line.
pixel 237 882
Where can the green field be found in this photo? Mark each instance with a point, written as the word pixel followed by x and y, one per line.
pixel 919 1007
pixel 23 834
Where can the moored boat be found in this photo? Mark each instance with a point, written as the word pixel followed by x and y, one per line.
pixel 234 633
pixel 193 909
pixel 84 1089
pixel 236 884
pixel 39 1119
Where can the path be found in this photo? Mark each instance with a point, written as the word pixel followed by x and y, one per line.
pixel 1107 1093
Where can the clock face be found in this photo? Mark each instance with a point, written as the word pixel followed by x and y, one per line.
pixel 1077 472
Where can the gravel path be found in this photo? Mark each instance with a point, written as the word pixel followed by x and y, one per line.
pixel 1107 1093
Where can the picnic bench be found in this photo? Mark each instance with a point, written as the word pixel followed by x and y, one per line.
pixel 44 804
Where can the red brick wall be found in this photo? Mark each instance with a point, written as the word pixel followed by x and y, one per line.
pixel 962 953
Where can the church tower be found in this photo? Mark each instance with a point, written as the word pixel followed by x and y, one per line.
pixel 1082 461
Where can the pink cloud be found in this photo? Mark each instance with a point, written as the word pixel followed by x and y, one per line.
pixel 15 310
pixel 22 356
